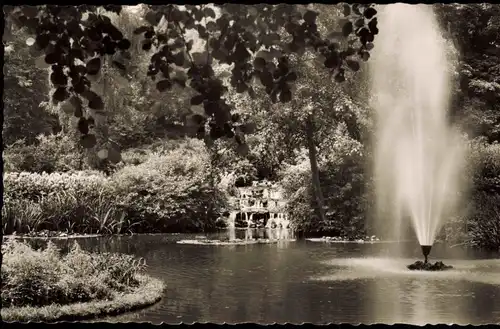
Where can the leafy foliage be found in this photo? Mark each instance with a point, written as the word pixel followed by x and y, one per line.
pixel 24 91
pixel 42 277
pixel 473 28
pixel 344 183
pixel 48 154
pixel 75 41
pixel 165 193
pixel 170 192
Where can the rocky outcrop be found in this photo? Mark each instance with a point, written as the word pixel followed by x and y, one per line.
pixel 421 266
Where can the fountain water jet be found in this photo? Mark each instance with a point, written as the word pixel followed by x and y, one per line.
pixel 418 156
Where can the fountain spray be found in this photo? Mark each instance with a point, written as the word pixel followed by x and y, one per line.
pixel 418 155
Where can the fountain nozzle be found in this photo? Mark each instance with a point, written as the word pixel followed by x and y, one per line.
pixel 426 250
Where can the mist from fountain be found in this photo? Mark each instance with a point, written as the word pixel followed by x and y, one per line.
pixel 418 155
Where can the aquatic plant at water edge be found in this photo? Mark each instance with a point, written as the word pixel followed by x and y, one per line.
pixel 42 277
pixel 59 202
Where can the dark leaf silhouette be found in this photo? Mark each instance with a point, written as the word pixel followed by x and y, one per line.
pixel 88 141
pixel 58 78
pixel 76 105
pixel 197 100
pixel 52 58
pixel 365 55
pixel 347 29
pixel 235 117
pixel 60 95
pixel 152 18
pixel 119 65
pixel 339 77
pixel 241 87
pixel 91 122
pixel 266 78
pixel 124 44
pixel 29 11
pixel 248 128
pixel 163 85
pixel 209 12
pixel 292 76
pixel 96 103
pixel 147 45
pixel 243 149
pixel 179 59
pixel 141 30
pixel 67 108
pixel 114 155
pixel 211 26
pixel 370 12
pixel 232 43
pixel 310 16
pixel 83 126
pixel 196 119
pixel 346 9
pixel 259 63
pixel 285 95
pixel 93 66
pixel 353 65
pixel 251 92
pixel 359 22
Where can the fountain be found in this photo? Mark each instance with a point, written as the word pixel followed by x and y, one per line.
pixel 418 157
pixel 426 250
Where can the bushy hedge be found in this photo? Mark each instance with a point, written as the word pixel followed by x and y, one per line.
pixel 170 192
pixel 483 218
pixel 42 277
pixel 478 223
pixel 343 186
pixel 49 153
pixel 166 193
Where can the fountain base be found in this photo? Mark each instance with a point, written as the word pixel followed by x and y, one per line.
pixel 422 266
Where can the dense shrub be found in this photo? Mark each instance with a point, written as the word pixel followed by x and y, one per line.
pixel 170 192
pixel 484 163
pixel 479 221
pixel 483 218
pixel 42 277
pixel 484 221
pixel 343 185
pixel 49 154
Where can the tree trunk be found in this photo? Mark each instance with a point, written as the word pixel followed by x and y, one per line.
pixel 318 194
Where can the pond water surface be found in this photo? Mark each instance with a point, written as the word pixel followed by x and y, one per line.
pixel 304 281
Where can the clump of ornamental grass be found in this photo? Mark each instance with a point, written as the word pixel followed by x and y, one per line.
pixel 44 277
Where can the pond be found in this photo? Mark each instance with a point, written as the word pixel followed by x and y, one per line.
pixel 304 281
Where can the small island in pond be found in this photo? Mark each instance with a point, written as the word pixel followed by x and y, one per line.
pixel 423 266
pixel 50 285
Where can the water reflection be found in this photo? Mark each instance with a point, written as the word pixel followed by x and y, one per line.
pixel 304 281
pixel 397 295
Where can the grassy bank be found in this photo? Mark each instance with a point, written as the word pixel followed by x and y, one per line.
pixel 45 285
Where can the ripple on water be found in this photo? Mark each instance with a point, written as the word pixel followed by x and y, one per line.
pixel 481 271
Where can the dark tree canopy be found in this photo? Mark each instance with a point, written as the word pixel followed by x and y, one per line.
pixel 257 40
